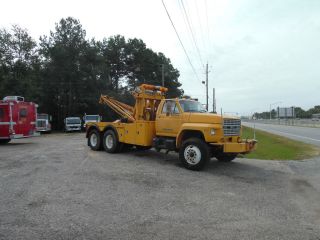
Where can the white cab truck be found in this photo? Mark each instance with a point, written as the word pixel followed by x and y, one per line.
pixel 90 118
pixel 43 122
pixel 72 124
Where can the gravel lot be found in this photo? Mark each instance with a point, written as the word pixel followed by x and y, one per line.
pixel 54 187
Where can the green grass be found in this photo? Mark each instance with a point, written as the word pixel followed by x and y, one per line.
pixel 274 147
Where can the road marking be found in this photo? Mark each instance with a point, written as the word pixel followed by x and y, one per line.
pixel 313 139
pixel 290 134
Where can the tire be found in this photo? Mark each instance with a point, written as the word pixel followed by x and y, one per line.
pixel 194 154
pixel 226 157
pixel 110 142
pixel 4 141
pixel 94 140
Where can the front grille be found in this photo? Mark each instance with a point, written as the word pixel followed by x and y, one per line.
pixel 41 123
pixel 231 127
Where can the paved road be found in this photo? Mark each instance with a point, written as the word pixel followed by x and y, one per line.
pixel 54 187
pixel 304 134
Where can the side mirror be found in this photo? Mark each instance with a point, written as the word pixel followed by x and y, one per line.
pixel 50 118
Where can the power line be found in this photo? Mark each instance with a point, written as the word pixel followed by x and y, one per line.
pixel 192 34
pixel 180 40
pixel 201 28
pixel 208 32
pixel 185 22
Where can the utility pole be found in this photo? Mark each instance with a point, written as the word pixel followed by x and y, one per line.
pixel 214 100
pixel 206 83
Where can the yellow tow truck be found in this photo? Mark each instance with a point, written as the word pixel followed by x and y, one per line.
pixel 180 125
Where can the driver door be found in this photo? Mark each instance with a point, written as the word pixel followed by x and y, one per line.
pixel 168 122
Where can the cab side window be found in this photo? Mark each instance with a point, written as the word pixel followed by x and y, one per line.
pixel 166 107
pixel 170 107
pixel 176 109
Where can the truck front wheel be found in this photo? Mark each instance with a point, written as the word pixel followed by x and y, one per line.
pixel 226 157
pixel 194 154
pixel 94 140
pixel 110 142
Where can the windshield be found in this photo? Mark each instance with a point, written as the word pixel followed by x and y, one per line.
pixel 73 120
pixel 191 106
pixel 92 118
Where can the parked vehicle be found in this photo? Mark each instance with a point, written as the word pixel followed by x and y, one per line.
pixel 181 125
pixel 72 124
pixel 90 118
pixel 43 122
pixel 17 119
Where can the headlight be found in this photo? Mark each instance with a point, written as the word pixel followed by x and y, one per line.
pixel 212 131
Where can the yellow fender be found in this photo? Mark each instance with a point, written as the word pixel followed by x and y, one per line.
pixel 203 129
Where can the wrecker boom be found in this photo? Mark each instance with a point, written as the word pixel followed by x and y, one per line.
pixel 147 98
pixel 124 110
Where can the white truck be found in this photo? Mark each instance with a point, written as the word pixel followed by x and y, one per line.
pixel 72 124
pixel 90 118
pixel 43 122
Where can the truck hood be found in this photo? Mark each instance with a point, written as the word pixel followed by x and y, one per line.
pixel 205 118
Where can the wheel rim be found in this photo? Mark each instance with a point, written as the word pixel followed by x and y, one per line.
pixel 109 141
pixel 192 155
pixel 93 139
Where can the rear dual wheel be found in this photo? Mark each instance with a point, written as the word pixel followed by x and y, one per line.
pixel 94 140
pixel 108 141
pixel 111 143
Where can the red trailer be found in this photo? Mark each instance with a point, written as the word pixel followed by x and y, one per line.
pixel 17 119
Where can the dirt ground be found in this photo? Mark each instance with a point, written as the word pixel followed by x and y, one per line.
pixel 55 187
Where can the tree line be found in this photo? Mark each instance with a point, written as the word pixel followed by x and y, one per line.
pixel 299 113
pixel 65 73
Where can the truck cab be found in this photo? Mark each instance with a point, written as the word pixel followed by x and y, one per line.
pixel 43 122
pixel 175 117
pixel 90 118
pixel 72 124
